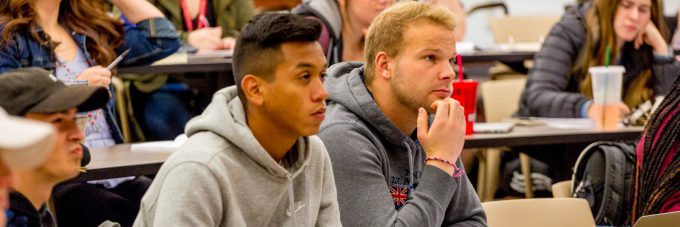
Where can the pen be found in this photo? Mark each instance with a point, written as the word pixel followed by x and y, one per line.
pixel 118 59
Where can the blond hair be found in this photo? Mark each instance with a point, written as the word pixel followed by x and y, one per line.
pixel 386 33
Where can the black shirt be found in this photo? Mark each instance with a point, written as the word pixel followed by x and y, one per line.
pixel 22 213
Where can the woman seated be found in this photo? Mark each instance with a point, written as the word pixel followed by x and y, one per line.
pixel 344 23
pixel 559 84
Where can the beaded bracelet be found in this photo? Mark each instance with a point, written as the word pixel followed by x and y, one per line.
pixel 457 172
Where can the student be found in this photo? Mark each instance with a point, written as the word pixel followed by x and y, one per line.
pixel 76 40
pixel 385 174
pixel 161 104
pixel 559 84
pixel 656 188
pixel 344 24
pixel 24 144
pixel 251 159
pixel 31 93
pixel 214 23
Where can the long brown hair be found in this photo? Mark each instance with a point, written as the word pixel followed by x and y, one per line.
pixel 87 17
pixel 600 33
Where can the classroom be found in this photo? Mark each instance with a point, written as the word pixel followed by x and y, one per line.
pixel 501 113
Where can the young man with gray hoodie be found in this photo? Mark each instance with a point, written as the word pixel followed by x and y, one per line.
pixel 251 159
pixel 391 167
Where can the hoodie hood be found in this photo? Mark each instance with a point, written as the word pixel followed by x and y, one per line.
pixel 226 117
pixel 345 85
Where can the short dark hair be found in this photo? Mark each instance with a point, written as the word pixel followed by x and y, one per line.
pixel 258 48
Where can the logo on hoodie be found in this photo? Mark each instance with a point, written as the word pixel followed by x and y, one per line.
pixel 298 206
pixel 400 194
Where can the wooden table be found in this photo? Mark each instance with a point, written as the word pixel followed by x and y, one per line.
pixel 120 161
pixel 202 66
pixel 224 64
pixel 542 135
pixel 502 56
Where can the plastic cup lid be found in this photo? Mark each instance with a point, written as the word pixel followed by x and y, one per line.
pixel 607 69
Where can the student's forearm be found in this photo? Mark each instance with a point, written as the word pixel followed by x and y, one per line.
pixel 465 209
pixel 137 10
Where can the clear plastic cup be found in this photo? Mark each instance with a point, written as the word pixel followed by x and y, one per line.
pixel 607 87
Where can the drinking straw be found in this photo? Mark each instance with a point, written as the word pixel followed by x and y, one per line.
pixel 459 59
pixel 607 56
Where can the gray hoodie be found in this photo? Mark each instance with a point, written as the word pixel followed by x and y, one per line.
pixel 222 176
pixel 380 173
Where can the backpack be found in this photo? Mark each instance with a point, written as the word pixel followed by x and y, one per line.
pixel 603 175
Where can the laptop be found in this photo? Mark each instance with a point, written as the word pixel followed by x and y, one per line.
pixel 671 219
pixel 493 127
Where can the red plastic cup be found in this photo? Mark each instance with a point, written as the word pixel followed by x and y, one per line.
pixel 465 92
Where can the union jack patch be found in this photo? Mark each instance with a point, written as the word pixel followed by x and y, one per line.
pixel 399 195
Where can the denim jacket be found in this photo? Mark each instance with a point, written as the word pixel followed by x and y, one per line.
pixel 148 41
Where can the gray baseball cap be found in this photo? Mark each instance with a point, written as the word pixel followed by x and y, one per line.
pixel 36 90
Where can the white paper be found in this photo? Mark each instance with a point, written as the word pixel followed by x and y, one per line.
pixel 203 54
pixel 465 47
pixel 173 59
pixel 164 146
pixel 521 46
pixel 567 123
pixel 494 127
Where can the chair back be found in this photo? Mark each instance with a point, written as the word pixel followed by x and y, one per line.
pixel 659 220
pixel 501 98
pixel 526 29
pixel 555 212
pixel 562 189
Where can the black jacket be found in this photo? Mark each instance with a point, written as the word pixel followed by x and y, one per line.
pixel 22 213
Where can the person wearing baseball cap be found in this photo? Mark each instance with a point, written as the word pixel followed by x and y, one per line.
pixel 32 93
pixel 24 144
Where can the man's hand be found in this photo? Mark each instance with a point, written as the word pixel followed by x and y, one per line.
pixel 446 137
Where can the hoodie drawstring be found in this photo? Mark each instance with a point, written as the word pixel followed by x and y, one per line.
pixel 410 166
pixel 308 192
pixel 291 201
